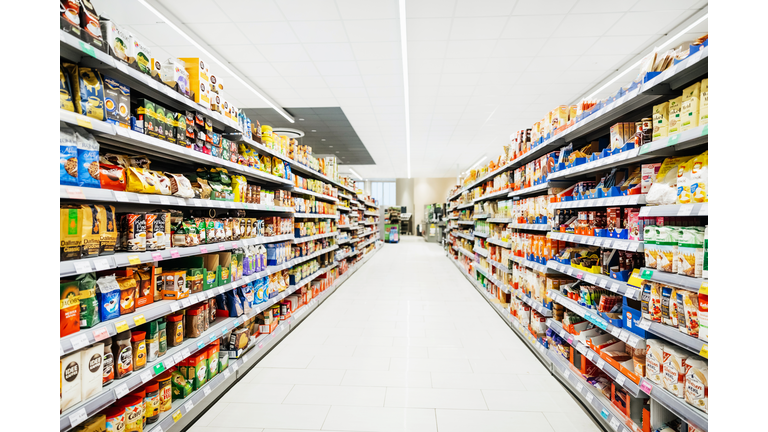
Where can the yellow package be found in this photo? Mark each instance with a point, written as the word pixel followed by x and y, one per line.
pixel 704 103
pixel 266 164
pixel 663 191
pixel 660 120
pixel 65 92
pixel 140 181
pixel 690 107
pixel 675 107
pixel 239 185
pixel 692 180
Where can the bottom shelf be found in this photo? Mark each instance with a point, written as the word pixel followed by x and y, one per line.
pixel 186 411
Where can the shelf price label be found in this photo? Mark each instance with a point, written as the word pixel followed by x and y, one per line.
pixel 134 259
pixel 704 288
pixel 646 274
pixel 159 368
pixel 615 423
pixel 77 417
pixel 646 386
pixel 704 352
pixel 175 253
pixel 121 391
pixel 188 406
pixel 79 341
pixel 139 319
pixel 121 326
pixel 101 264
pixel 100 333
pixel 620 379
pixel 177 416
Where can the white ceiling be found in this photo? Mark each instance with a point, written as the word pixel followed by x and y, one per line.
pixel 478 70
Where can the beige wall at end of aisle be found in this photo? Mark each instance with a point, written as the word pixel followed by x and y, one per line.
pixel 419 192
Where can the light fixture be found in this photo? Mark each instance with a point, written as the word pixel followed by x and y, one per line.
pixel 636 64
pixel 330 146
pixel 281 111
pixel 314 130
pixel 404 49
pixel 356 174
pixel 301 119
pixel 322 139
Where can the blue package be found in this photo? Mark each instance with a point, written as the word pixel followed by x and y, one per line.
pixel 247 303
pixel 87 159
pixel 234 304
pixel 67 157
pixel 272 255
pixel 260 295
pixel 108 296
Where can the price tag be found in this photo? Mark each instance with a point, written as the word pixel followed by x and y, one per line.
pixel 620 379
pixel 212 338
pixel 144 199
pixel 203 249
pixel 121 391
pixel 600 364
pixel 198 203
pixel 168 363
pixel 704 352
pixel 624 335
pixel 615 331
pixel 602 283
pixel 200 344
pixel 77 417
pixel 186 303
pixel 644 324
pixel 615 423
pixel 630 293
pixel 645 211
pixel 101 264
pixel 685 210
pixel 185 353
pixel 590 396
pixel 134 259
pixel 100 333
pixel 146 377
pixel 221 247
pixel 569 271
pixel 178 357
pixel 673 139
pixel 566 374
pixel 580 388
pixel 235 367
pixel 165 200
pixel 82 267
pixel 207 390
pixel 121 326
pixel 590 279
pixel 224 330
pixel 221 290
pixel 158 368
pixel 614 287
pixel 174 306
pixel 646 386
pixel 176 416
pixel 579 275
pixel 188 406
pixel 139 319
pixel 705 131
pixel 181 202
pixel 226 373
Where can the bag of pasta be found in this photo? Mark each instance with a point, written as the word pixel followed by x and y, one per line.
pixel 692 180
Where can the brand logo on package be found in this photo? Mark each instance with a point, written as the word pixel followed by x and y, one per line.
pixel 95 363
pixel 71 371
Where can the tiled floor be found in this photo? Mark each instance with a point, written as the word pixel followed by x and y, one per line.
pixel 406 344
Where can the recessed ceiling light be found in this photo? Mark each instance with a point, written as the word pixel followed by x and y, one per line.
pixel 330 146
pixel 336 152
pixel 322 139
pixel 314 130
pixel 301 119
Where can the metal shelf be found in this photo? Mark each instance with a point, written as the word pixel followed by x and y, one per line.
pixel 676 210
pixel 464 222
pixel 500 220
pixel 315 216
pixel 479 234
pixel 672 334
pixel 481 216
pixel 628 337
pixel 499 266
pixel 686 282
pixel 584 349
pixel 315 194
pixel 531 227
pixel 348 227
pixel 81 52
pixel 530 190
pixel 466 252
pixel 299 260
pixel 157 147
pixel 676 405
pixel 629 200
pixel 368 213
pixel 466 236
pixel 531 264
pixel 500 243
pixel 311 277
pixel 463 206
pixel 504 287
pixel 313 237
pixel 480 251
pixel 342 208
pixel 122 259
pixel 499 194
pixel 610 243
pixel 537 306
pixel 600 280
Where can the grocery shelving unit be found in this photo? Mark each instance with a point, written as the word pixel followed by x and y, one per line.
pixel 113 138
pixel 470 201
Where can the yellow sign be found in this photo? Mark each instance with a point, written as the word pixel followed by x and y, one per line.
pixel 176 416
pixel 634 279
pixel 704 351
pixel 139 319
pixel 121 326
pixel 134 259
pixel 704 288
pixel 84 123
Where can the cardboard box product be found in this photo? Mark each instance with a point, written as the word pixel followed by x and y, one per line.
pixel 145 113
pixel 199 79
pixel 660 121
pixel 675 118
pixel 704 102
pixel 141 54
pixel 70 381
pixel 92 374
pixel 175 286
pixel 690 107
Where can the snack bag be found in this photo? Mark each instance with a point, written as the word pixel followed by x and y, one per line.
pixel 67 157
pixel 87 159
pixel 663 191
pixel 692 179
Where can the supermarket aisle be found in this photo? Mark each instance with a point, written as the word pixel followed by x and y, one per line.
pixel 406 344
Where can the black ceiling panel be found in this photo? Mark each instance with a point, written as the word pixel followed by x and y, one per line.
pixel 329 123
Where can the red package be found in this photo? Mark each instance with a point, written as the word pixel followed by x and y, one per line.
pixel 112 177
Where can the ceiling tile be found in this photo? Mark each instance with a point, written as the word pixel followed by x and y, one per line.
pixel 531 26
pixel 427 29
pixel 372 67
pixel 537 7
pixel 160 34
pixel 337 68
pixel 189 11
pixel 658 23
pixel 598 63
pixel 319 31
pixel 426 49
pixel 385 30
pixel 596 6
pixel 553 63
pixel 238 53
pixel 477 28
pixel 306 82
pixel 588 24
pixel 215 34
pixel 569 45
pixel 343 80
pixel 429 8
pixel 330 52
pixel 663 5
pixel 538 77
pixel 484 8
pixel 278 32
pixel 367 9
pixel 449 79
pixel 423 80
pixel 425 66
pixel 377 50
pixel 470 49
pixel 456 90
pixel 463 66
pixel 251 10
pixel 349 92
pixel 508 64
pixel 257 69
pixel 521 47
pixel 316 93
pixel 302 10
pixel 273 82
pixel 392 80
pixel 283 52
pixel 296 69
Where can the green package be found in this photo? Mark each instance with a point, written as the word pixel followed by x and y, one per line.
pixel 223 361
pixel 160 122
pixel 179 386
pixel 89 304
pixel 170 126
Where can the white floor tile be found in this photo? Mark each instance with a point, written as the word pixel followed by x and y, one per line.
pixel 434 398
pixel 295 376
pixel 367 419
pixel 431 365
pixel 569 422
pixel 349 363
pixel 490 381
pixel 249 392
pixel 491 421
pixel 196 428
pixel 237 415
pixel 387 379
pixel 335 395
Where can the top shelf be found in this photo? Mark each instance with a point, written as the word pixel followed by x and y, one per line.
pixel 661 87
pixel 73 49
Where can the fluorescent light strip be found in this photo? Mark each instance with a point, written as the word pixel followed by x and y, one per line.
pixel 355 173
pixel 404 49
pixel 635 65
pixel 215 60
